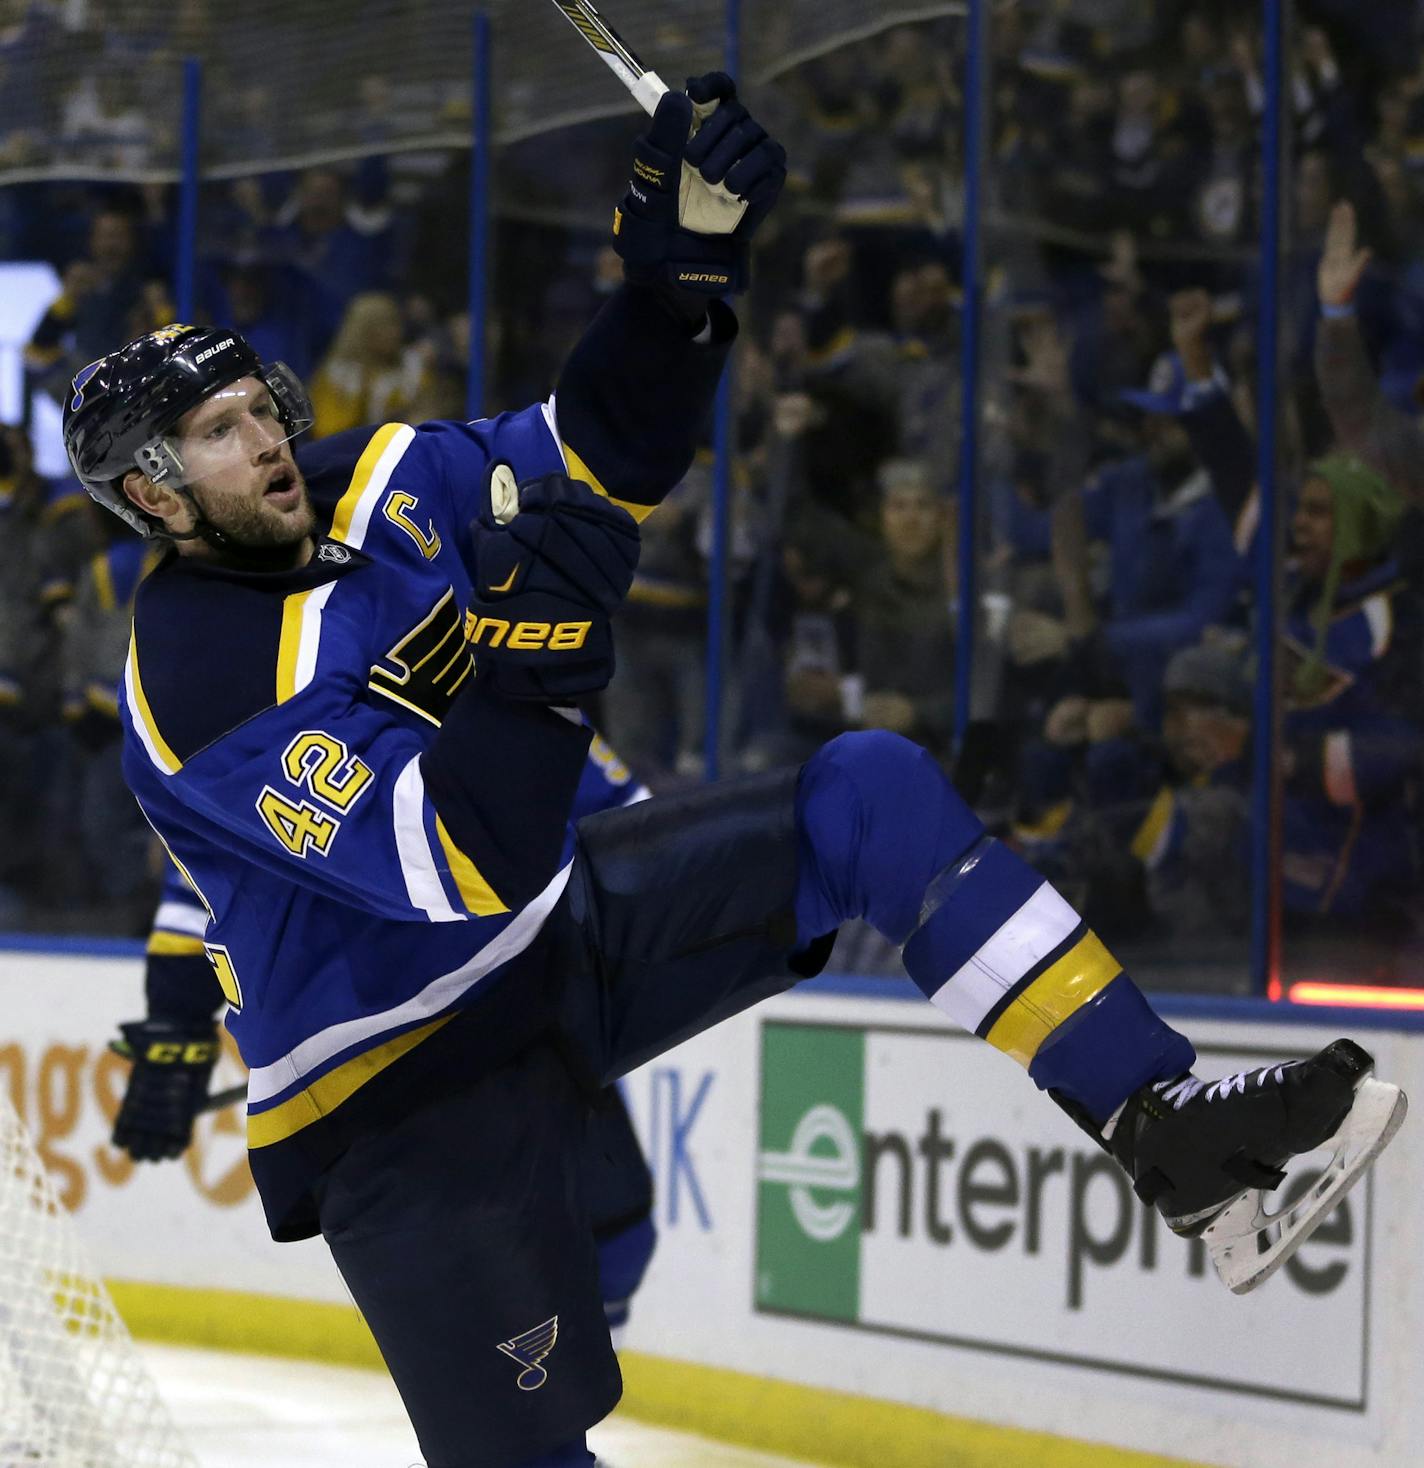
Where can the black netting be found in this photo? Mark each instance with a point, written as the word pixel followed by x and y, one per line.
pixel 94 89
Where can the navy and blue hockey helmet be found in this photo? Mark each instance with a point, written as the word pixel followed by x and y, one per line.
pixel 122 408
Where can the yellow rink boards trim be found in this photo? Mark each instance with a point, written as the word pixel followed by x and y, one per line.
pixel 834 1428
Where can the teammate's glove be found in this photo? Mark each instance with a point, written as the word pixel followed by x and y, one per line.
pixel 695 199
pixel 167 1086
pixel 554 561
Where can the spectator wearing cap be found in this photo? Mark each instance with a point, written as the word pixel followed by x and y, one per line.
pixel 1171 567
pixel 1354 641
pixel 1152 831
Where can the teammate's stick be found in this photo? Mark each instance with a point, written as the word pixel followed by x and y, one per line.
pixel 646 86
pixel 219 1099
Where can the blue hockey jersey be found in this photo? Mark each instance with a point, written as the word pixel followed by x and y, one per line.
pixel 181 984
pixel 379 841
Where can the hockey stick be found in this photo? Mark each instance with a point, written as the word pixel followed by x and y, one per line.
pixel 648 89
pixel 220 1099
pixel 646 86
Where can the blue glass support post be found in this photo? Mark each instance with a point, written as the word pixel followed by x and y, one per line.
pixel 480 81
pixel 724 448
pixel 1265 815
pixel 185 270
pixel 976 60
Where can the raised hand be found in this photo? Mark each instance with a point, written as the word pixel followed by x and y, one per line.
pixel 1191 323
pixel 1343 261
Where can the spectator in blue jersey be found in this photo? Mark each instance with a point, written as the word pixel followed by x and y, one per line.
pixel 258 299
pixel 334 249
pixel 1172 569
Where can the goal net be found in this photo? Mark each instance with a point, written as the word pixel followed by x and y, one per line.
pixel 73 1390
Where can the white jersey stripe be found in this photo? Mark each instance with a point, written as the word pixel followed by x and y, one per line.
pixel 376 487
pixel 422 879
pixel 139 718
pixel 1029 936
pixel 181 917
pixel 269 1080
pixel 310 639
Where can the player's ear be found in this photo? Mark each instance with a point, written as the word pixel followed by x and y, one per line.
pixel 152 499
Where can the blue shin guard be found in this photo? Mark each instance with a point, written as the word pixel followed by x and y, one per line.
pixel 885 837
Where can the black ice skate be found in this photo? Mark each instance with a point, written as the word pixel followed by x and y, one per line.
pixel 1205 1153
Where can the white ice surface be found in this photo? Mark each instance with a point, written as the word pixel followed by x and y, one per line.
pixel 259 1412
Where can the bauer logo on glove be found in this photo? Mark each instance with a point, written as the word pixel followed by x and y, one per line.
pixel 704 176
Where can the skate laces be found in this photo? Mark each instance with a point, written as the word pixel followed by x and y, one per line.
pixel 1189 1087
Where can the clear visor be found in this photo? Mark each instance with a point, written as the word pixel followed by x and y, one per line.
pixel 241 425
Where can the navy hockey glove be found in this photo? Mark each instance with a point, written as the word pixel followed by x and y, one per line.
pixel 167 1086
pixel 694 202
pixel 551 568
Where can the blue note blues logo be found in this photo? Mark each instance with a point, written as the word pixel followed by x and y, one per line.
pixel 81 378
pixel 528 1350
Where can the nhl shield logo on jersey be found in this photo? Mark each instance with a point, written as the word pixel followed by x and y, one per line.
pixel 528 1350
pixel 337 555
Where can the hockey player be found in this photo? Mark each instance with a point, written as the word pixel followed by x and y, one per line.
pixel 427 973
pixel 162 1100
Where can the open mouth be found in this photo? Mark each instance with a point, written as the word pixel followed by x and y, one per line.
pixel 281 484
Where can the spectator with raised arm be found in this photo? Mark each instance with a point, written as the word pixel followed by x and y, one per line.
pixel 1389 440
pixel 1351 645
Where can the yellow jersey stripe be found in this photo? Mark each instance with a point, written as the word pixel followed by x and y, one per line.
pixel 172 945
pixel 289 647
pixel 475 892
pixel 1147 842
pixel 157 744
pixel 104 583
pixel 1048 825
pixel 96 695
pixel 579 470
pixel 1061 989
pixel 381 440
pixel 323 1096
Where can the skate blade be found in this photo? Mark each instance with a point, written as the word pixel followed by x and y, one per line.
pixel 1240 1241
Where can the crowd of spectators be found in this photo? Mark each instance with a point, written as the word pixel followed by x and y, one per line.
pixel 1111 708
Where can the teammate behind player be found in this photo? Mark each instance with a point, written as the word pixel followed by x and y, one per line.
pixel 426 973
